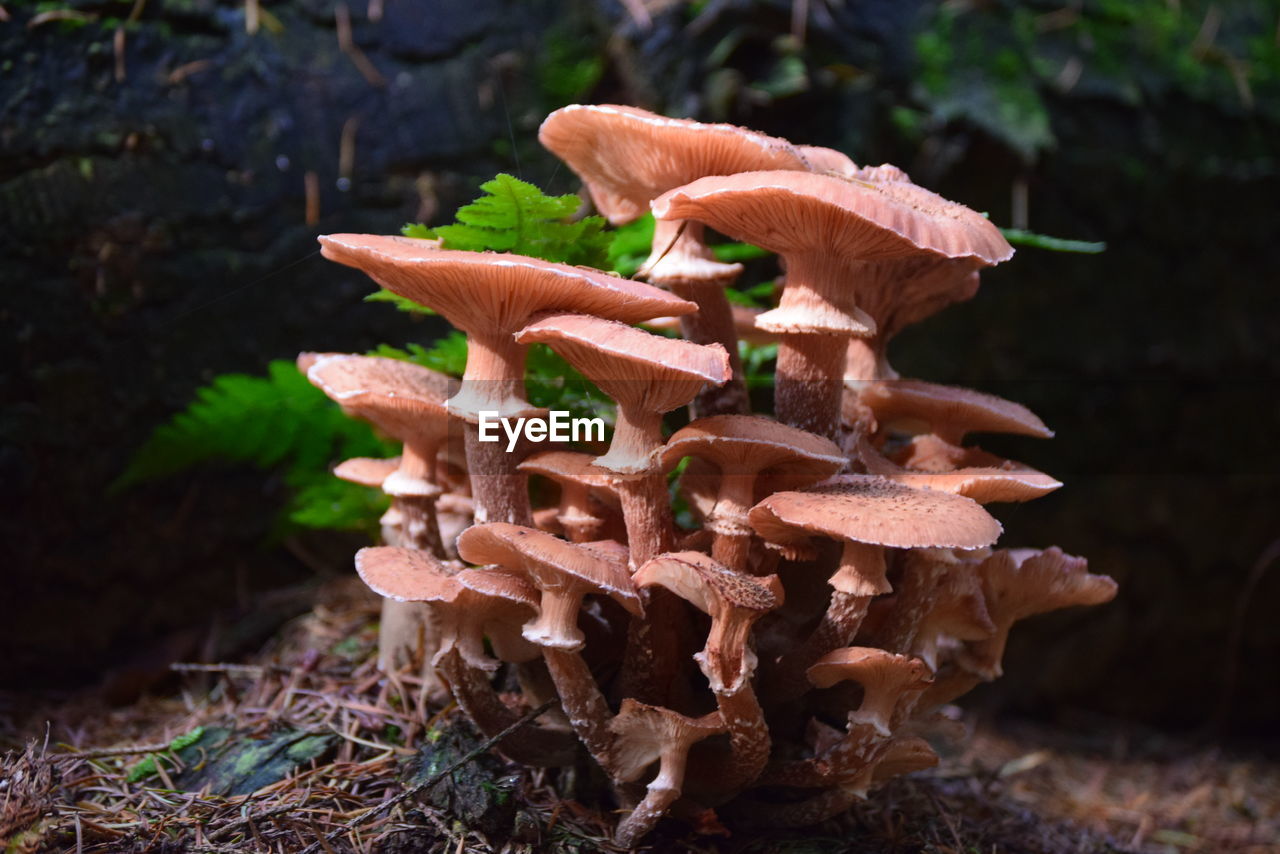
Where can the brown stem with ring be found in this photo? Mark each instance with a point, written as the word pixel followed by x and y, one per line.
pixel 500 493
pixel 732 543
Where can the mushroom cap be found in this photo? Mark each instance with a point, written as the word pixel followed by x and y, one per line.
pixel 366 471
pixel 805 212
pixel 958 410
pixel 630 365
pixel 627 156
pixel 903 756
pixel 308 358
pixel 752 443
pixel 644 733
pixel 495 293
pixel 548 560
pixel 828 160
pixel 1008 481
pixel 406 575
pixel 570 467
pixel 874 510
pixel 404 400
pixel 865 665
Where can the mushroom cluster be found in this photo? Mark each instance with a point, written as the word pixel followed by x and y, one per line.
pixel 777 661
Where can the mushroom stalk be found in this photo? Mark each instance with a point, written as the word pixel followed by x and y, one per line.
pixel 474 693
pixel 713 321
pixel 585 706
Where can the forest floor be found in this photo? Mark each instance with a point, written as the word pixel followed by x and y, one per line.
pixel 298 749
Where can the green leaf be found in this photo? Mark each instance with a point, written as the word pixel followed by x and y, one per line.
pixel 1019 237
pixel 147 767
pixel 402 303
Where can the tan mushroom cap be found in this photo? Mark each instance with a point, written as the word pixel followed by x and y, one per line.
pixel 646 374
pixel 645 733
pixel 403 400
pixel 406 575
pixel 948 411
pixel 788 212
pixel 877 511
pixel 1008 481
pixel 884 676
pixel 828 160
pixel 733 600
pixel 628 156
pixel 366 471
pixel 519 599
pixel 307 358
pixel 564 572
pixel 753 443
pixel 1019 583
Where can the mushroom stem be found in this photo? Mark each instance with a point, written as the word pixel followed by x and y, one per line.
pixel 499 492
pixel 712 322
pixel 637 436
pixel 585 706
pixel 732 535
pixel 663 791
pixel 475 694
pixel 749 740
pixel 867 361
pixel 837 628
pixel 809 382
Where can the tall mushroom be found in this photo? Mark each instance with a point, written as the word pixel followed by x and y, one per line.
pixel 627 157
pixel 407 402
pixel 826 228
pixel 490 296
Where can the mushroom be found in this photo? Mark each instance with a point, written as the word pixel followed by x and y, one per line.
pixel 868 514
pixel 1005 481
pixel 490 296
pixel 405 401
pixel 468 605
pixel 647 375
pixel 564 573
pixel 828 160
pixel 646 734
pixel 915 406
pixel 741 447
pixel 578 479
pixel 1019 583
pixel 627 157
pixel 829 231
pixel 734 601
pixel 903 756
pixel 885 678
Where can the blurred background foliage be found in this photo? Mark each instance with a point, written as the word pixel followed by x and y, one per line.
pixel 165 167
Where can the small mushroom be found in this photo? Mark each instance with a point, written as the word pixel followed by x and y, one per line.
pixel 579 480
pixel 947 412
pixel 1020 583
pixel 734 601
pixel 741 447
pixel 885 678
pixel 646 734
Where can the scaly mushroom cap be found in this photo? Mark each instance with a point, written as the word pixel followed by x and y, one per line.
pixel 1018 583
pixel 403 400
pixel 733 600
pixel 564 572
pixel 646 374
pixel 366 471
pixel 628 156
pixel 950 412
pixel 1009 481
pixel 645 733
pixel 885 678
pixel 871 510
